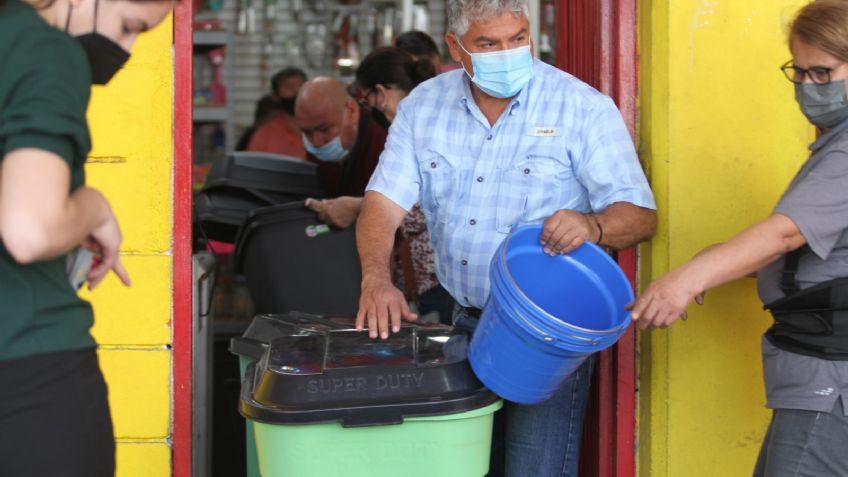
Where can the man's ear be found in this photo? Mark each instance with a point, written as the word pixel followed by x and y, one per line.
pixel 351 109
pixel 453 47
pixel 350 124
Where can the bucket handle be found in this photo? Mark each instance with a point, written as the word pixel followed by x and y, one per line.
pixel 550 339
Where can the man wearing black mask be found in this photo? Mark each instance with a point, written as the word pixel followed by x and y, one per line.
pixel 273 129
pixel 284 87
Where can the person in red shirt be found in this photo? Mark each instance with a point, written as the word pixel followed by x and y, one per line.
pixel 274 129
pixel 341 137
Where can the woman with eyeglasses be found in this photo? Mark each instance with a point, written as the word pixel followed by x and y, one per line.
pixel 54 414
pixel 384 78
pixel 800 257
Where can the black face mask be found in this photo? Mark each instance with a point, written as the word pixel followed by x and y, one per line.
pixel 380 118
pixel 286 104
pixel 105 57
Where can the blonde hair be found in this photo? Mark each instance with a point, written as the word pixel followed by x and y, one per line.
pixel 823 24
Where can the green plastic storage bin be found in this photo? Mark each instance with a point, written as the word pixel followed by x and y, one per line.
pixel 252 344
pixel 327 402
pixel 453 445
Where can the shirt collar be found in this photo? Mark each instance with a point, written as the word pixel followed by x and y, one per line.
pixel 825 138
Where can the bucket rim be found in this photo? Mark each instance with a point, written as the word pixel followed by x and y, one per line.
pixel 555 322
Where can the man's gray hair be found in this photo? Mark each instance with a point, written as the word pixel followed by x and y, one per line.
pixel 461 13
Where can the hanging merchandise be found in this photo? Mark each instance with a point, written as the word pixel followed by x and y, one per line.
pixel 315 48
pixel 347 47
pixel 214 5
pixel 371 32
pixel 421 18
pixel 218 90
pixel 246 17
pixel 388 19
pixel 547 31
pixel 269 16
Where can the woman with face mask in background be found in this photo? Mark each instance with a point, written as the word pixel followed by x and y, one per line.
pixel 54 415
pixel 799 254
pixel 384 78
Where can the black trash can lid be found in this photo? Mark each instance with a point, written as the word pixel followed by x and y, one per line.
pixel 343 375
pixel 266 328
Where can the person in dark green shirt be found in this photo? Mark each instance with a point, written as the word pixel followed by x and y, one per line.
pixel 54 415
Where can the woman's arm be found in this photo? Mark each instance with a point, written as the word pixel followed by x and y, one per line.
pixel 40 220
pixel 666 298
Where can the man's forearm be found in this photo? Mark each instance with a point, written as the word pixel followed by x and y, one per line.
pixel 625 225
pixel 375 235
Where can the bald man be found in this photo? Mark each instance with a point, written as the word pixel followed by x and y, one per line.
pixel 345 143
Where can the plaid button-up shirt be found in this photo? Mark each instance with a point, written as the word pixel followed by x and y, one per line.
pixel 559 144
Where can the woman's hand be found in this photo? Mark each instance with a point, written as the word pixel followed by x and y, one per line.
pixel 665 301
pixel 105 241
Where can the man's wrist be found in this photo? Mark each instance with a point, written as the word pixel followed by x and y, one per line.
pixel 376 278
pixel 598 229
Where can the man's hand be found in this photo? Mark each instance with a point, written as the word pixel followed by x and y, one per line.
pixel 379 304
pixel 566 230
pixel 340 212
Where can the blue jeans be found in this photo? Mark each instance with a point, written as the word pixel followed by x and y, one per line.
pixel 541 440
pixel 805 444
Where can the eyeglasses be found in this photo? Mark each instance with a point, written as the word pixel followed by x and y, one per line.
pixel 796 74
pixel 360 95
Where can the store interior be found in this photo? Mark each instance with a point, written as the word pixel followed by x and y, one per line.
pixel 239 45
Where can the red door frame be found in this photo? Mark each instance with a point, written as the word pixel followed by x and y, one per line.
pixel 181 246
pixel 596 41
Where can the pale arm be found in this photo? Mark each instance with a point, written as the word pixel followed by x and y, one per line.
pixel 666 299
pixel 40 220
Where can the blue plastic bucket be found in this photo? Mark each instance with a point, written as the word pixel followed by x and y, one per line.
pixel 545 315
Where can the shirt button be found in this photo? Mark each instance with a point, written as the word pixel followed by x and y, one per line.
pixel 464 262
pixel 472 222
pixel 526 171
pixel 433 165
pixel 489 137
pixel 480 179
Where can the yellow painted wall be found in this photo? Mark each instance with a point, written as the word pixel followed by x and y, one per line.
pixel 132 162
pixel 721 136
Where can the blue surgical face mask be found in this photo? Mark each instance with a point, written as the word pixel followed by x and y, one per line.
pixel 503 73
pixel 330 152
pixel 824 105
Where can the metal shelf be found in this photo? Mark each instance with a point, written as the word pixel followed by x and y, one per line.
pixel 211 113
pixel 211 38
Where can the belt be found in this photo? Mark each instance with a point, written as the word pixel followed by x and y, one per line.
pixel 472 312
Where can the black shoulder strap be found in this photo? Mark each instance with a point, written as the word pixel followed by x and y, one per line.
pixel 788 284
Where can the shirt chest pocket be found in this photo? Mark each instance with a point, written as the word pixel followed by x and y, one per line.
pixel 532 189
pixel 439 182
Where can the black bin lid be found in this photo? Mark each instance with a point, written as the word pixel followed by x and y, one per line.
pixel 325 375
pixel 267 327
pixel 265 172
